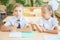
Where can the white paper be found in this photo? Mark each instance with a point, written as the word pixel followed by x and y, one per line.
pixel 52 37
pixel 15 34
pixel 20 34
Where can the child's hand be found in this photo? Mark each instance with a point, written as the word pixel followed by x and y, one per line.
pixel 15 26
pixel 40 29
pixel 43 29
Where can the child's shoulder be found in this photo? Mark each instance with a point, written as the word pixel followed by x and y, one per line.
pixel 23 18
pixel 40 19
pixel 54 19
pixel 11 17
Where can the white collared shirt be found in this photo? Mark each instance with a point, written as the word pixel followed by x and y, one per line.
pixel 48 24
pixel 13 19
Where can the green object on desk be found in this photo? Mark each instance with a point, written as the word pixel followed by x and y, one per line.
pixel 27 34
pixel 58 37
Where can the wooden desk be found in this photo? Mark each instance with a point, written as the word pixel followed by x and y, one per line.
pixel 37 36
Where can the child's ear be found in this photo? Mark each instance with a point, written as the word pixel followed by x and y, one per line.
pixel 51 12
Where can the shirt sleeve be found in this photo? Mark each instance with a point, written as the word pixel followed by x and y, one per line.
pixel 8 23
pixel 40 22
pixel 24 22
pixel 55 22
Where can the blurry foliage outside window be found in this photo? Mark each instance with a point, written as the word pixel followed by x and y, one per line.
pixel 26 3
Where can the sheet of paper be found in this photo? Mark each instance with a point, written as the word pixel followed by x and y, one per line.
pixel 15 34
pixel 50 37
pixel 21 34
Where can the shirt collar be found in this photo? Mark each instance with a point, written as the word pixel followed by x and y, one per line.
pixel 48 19
pixel 21 18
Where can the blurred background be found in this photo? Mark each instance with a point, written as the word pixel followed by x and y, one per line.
pixel 30 5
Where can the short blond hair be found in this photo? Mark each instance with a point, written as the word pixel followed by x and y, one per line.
pixel 17 5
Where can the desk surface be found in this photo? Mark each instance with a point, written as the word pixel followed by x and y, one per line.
pixel 37 36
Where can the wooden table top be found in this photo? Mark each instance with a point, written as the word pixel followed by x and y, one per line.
pixel 37 36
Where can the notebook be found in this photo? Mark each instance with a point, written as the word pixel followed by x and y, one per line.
pixel 28 34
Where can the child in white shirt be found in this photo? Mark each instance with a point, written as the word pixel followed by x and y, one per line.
pixel 48 23
pixel 17 21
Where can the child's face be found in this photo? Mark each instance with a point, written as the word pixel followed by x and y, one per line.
pixel 46 13
pixel 18 11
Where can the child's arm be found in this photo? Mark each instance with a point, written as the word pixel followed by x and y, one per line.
pixel 38 28
pixel 42 29
pixel 34 27
pixel 55 31
pixel 4 28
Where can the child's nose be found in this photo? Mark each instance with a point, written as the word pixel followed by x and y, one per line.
pixel 18 12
